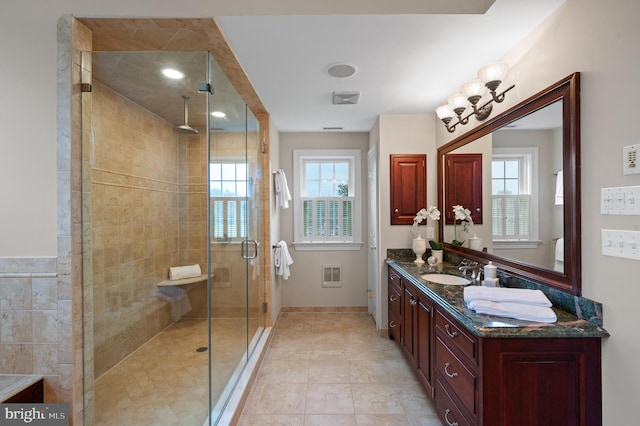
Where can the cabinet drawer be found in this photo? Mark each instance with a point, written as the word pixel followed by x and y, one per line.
pixel 394 299
pixel 394 278
pixel 456 337
pixel 394 326
pixel 447 409
pixel 460 379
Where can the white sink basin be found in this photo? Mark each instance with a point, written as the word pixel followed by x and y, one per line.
pixel 446 279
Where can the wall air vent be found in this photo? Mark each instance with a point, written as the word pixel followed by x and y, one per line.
pixel 332 128
pixel 331 275
pixel 346 98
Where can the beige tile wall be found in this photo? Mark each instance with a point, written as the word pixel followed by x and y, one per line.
pixel 29 320
pixel 135 224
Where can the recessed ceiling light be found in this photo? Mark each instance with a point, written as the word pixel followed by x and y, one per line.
pixel 218 114
pixel 171 73
pixel 341 70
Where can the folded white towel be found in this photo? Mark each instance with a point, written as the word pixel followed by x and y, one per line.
pixel 501 294
pixel 282 259
pixel 514 310
pixel 182 272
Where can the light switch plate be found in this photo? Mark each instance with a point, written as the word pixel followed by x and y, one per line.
pixel 619 243
pixel 624 200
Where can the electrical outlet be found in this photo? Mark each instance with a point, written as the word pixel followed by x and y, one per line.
pixel 431 233
pixel 630 165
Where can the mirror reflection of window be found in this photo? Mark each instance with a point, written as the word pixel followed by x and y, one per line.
pixel 512 203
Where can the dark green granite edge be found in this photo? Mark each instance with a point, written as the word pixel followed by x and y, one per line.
pixel 451 299
pixel 581 307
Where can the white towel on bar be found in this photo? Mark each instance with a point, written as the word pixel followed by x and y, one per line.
pixel 559 189
pixel 282 260
pixel 283 196
pixel 514 310
pixel 182 272
pixel 501 294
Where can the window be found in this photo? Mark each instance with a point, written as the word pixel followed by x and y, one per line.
pixel 228 198
pixel 327 200
pixel 514 202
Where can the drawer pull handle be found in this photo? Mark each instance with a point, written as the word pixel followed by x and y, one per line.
pixel 446 418
pixel 392 298
pixel 451 334
pixel 446 365
pixel 392 324
pixel 413 302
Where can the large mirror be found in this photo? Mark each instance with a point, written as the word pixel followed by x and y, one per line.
pixel 523 190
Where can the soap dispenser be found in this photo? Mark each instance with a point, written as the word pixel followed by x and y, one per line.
pixel 490 275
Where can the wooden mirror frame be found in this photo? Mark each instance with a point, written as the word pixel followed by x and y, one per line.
pixel 568 91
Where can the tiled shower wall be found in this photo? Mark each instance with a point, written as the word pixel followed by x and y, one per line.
pixel 135 224
pixel 34 322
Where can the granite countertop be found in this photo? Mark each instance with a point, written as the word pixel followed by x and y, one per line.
pixel 451 299
pixel 11 384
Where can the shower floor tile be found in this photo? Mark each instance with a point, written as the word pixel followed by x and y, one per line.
pixel 327 368
pixel 165 382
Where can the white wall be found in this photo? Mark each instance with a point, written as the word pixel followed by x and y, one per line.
pixel 274 158
pixel 400 134
pixel 599 39
pixel 304 286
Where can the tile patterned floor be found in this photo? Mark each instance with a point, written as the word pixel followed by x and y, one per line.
pixel 334 369
pixel 165 382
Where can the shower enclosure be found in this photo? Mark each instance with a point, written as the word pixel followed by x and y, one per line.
pixel 171 177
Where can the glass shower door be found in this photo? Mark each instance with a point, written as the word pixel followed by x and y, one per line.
pixel 237 291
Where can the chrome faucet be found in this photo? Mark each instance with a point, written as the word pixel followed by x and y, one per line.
pixel 474 267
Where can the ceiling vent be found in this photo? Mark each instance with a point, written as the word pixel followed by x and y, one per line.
pixel 346 98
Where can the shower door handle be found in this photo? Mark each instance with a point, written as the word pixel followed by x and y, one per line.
pixel 244 249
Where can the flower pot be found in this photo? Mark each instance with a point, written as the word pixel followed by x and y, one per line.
pixel 419 247
pixel 437 254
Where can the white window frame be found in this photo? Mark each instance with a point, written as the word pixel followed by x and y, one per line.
pixel 225 200
pixel 355 190
pixel 528 158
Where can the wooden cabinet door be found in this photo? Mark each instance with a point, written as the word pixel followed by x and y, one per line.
pixel 408 187
pixel 424 331
pixel 463 185
pixel 408 300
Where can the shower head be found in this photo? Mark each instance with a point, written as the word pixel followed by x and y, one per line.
pixel 185 128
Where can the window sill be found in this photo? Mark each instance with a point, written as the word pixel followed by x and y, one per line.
pixel 516 244
pixel 327 246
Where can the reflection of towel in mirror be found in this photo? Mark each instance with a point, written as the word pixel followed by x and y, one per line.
pixel 177 298
pixel 282 259
pixel 283 196
pixel 559 189
pixel 558 258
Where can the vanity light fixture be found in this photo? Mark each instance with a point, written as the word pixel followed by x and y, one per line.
pixel 490 76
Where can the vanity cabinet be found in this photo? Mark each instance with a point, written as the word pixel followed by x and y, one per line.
pixel 416 326
pixel 478 379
